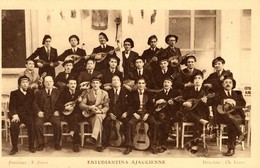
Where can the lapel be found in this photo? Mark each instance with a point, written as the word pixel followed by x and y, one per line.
pixel 20 95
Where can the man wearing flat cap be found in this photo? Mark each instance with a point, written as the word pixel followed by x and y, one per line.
pixel 229 106
pixel 104 48
pixel 20 106
pixel 75 50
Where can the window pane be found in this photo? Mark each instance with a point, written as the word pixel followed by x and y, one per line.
pixel 181 28
pixel 246 32
pixel 179 12
pixel 205 12
pixel 205 33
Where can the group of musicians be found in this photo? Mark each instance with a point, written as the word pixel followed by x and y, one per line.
pixel 152 93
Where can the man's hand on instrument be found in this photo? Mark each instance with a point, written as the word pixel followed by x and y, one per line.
pixel 124 115
pixel 155 59
pixel 112 116
pixel 111 52
pixel 187 104
pixel 221 78
pixel 98 56
pixel 171 102
pixel 208 85
pixel 39 64
pixel 146 116
pixel 34 85
pixel 137 116
pixel 229 101
pixel 15 118
pixel 189 84
pixel 51 64
pixel 108 87
pixel 204 99
pixel 79 99
pixel 41 114
pixel 56 113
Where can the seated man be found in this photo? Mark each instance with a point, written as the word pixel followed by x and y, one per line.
pixel 140 108
pixel 21 111
pixel 197 113
pixel 108 73
pixel 167 107
pixel 61 79
pixel 118 108
pixel 70 113
pixel 35 82
pixel 96 104
pixel 44 107
pixel 230 106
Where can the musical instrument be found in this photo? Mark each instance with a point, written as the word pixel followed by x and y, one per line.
pixel 227 108
pixel 131 86
pixel 162 105
pixel 141 140
pixel 90 112
pixel 117 138
pixel 176 60
pixel 147 65
pixel 195 102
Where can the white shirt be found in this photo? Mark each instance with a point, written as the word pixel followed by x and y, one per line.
pixel 141 71
pixel 141 98
pixel 103 46
pixel 220 72
pixel 117 90
pixel 112 70
pixel 46 49
pixel 166 91
pixel 127 54
pixel 164 71
pixel 226 91
pixel 96 92
pixel 74 49
pixel 197 88
pixel 24 92
pixel 47 90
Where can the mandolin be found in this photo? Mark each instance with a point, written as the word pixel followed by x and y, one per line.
pixel 147 65
pixel 176 60
pixel 141 139
pixel 227 108
pixel 90 112
pixel 117 138
pixel 195 102
pixel 162 105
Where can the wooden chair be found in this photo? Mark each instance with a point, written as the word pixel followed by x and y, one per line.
pixel 4 117
pixel 175 133
pixel 82 131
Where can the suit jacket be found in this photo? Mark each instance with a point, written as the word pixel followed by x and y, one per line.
pixel 85 76
pixel 239 99
pixel 21 104
pixel 80 65
pixel 168 52
pixel 148 76
pixel 104 64
pixel 45 103
pixel 214 79
pixel 119 106
pixel 149 54
pixel 61 77
pixel 41 52
pixel 134 103
pixel 34 78
pixel 129 63
pixel 90 100
pixel 107 75
pixel 159 76
pixel 65 97
pixel 185 77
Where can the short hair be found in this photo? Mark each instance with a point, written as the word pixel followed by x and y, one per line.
pixel 26 61
pixel 129 40
pixel 150 39
pixel 74 36
pixel 218 59
pixel 21 78
pixel 71 78
pixel 169 36
pixel 45 37
pixel 104 35
pixel 140 78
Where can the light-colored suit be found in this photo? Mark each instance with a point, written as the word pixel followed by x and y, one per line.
pixel 96 98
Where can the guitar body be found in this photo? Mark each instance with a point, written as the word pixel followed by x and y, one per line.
pixel 141 140
pixel 194 103
pixel 117 138
pixel 87 113
pixel 69 107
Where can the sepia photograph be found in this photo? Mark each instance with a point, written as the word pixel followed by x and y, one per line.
pixel 128 86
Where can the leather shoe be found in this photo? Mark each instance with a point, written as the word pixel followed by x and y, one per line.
pixel 194 149
pixel 32 149
pixel 162 149
pixel 241 137
pixel 230 152
pixel 127 150
pixel 40 147
pixel 75 148
pixel 57 147
pixel 154 149
pixel 99 149
pixel 91 140
pixel 13 151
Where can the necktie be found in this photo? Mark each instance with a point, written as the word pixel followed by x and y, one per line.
pixel 126 52
pixel 74 51
pixel 166 92
pixel 49 92
pixel 139 72
pixel 140 92
pixel 196 89
pixel 164 71
pixel 113 71
pixel 90 72
pixel 228 92
pixel 116 96
pixel 48 53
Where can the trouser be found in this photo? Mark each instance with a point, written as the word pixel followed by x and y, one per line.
pixel 15 129
pixel 131 126
pixel 39 126
pixel 73 123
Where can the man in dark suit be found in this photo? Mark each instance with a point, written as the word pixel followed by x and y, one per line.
pixel 166 115
pixel 89 73
pixel 104 48
pixel 75 50
pixel 44 107
pixel 108 73
pixel 198 114
pixel 186 75
pixel 141 108
pixel 129 57
pixel 145 73
pixel 70 94
pixel 118 109
pixel 150 55
pixel 61 79
pixel 21 111
pixel 231 113
pixel 48 57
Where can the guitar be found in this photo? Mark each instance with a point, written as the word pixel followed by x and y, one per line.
pixel 69 106
pixel 227 108
pixel 176 60
pixel 117 138
pixel 141 139
pixel 90 112
pixel 195 102
pixel 162 105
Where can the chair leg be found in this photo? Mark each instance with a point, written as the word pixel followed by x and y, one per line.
pixel 243 142
pixel 204 136
pixel 220 137
pixel 82 134
pixel 177 135
pixel 182 136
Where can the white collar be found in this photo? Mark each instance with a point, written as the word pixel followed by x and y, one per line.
pixel 24 92
pixel 199 87
pixel 103 45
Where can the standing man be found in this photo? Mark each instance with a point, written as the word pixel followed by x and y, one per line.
pixel 44 107
pixel 75 50
pixel 104 48
pixel 48 57
pixel 21 111
pixel 96 102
